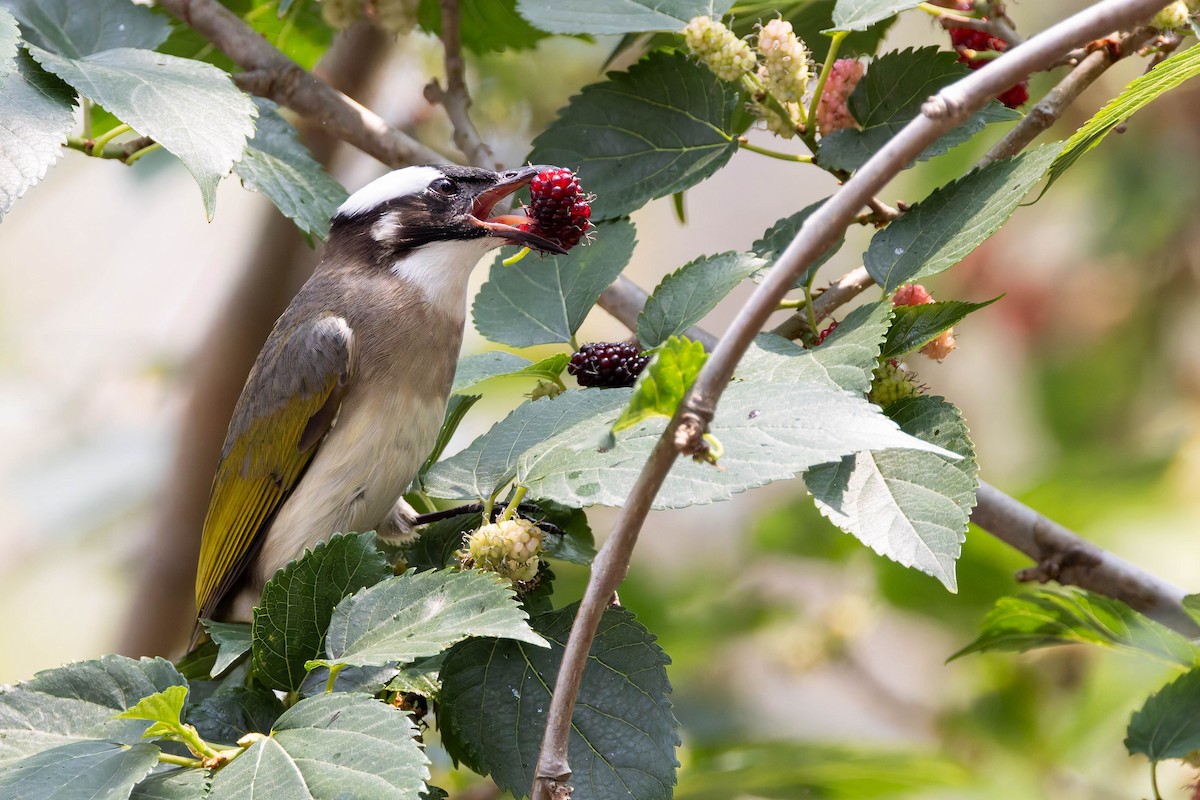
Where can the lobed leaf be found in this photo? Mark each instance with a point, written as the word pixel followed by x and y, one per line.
pixel 192 109
pixel 415 615
pixel 908 505
pixel 495 694
pixel 165 707
pixel 276 164
pixel 660 128
pixel 545 301
pixel 684 297
pixel 292 617
pixel 946 226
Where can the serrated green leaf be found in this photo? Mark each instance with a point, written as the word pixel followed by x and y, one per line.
pixel 172 783
pixel 857 15
pixel 415 615
pixel 79 771
pixel 437 543
pixel 845 360
pixel 576 543
pixel 661 386
pixel 685 296
pixel 475 370
pixel 10 36
pixel 1048 617
pixel 36 113
pixel 295 28
pixel 660 128
pixel 544 301
pixel 233 640
pixel 233 711
pixel 890 96
pixel 367 680
pixel 74 30
pixel 1167 726
pixel 772 243
pixel 946 226
pixel 78 702
pixel 485 25
pixel 329 747
pixel 420 678
pixel 623 734
pixel 190 108
pixel 910 506
pixel 916 326
pixel 1143 90
pixel 279 166
pixel 164 708
pixel 617 16
pixel 293 615
pixel 786 770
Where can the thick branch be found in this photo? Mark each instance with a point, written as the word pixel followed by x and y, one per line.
pixel 949 108
pixel 269 73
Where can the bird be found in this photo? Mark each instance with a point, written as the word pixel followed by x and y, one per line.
pixel 347 395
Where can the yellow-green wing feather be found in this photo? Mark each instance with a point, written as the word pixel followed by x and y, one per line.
pixel 287 405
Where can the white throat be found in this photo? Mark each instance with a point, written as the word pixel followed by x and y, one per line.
pixel 440 270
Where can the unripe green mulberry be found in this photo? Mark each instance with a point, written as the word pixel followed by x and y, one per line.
pixel 508 548
pixel 1171 17
pixel 786 70
pixel 891 383
pixel 719 48
pixel 397 17
pixel 341 14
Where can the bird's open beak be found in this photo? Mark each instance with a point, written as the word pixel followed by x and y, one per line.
pixel 512 227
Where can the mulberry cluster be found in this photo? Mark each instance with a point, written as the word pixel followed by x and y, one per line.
pixel 509 548
pixel 785 61
pixel 970 43
pixel 559 210
pixel 914 294
pixel 719 48
pixel 1172 17
pixel 607 364
pixel 833 109
pixel 892 382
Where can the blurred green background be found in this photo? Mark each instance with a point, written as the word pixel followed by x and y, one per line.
pixel 802 662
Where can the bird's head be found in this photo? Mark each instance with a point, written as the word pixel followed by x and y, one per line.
pixel 418 206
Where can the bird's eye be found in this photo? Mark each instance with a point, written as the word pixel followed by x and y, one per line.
pixel 444 186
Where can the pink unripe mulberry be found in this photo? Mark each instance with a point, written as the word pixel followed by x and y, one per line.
pixel 833 109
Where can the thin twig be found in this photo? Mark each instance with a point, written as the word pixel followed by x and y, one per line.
pixel 118 152
pixel 455 98
pixel 951 107
pixel 269 73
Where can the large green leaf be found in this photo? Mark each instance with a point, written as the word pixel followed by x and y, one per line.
pixel 73 29
pixel 1048 617
pixel 79 701
pixel 856 15
pixel 544 301
pixel 890 96
pixel 910 506
pixel 916 326
pixel 682 298
pixel 946 226
pixel 420 614
pixel 36 113
pixel 172 783
pixel 293 615
pixel 78 771
pixel 190 108
pixel 772 243
pixel 329 747
pixel 277 164
pixel 495 694
pixel 660 128
pixel 1138 94
pixel 233 711
pixel 846 359
pixel 617 16
pixel 1167 725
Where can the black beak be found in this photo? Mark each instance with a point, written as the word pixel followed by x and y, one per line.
pixel 509 226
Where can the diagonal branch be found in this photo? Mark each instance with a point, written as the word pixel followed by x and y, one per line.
pixel 269 73
pixel 949 108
